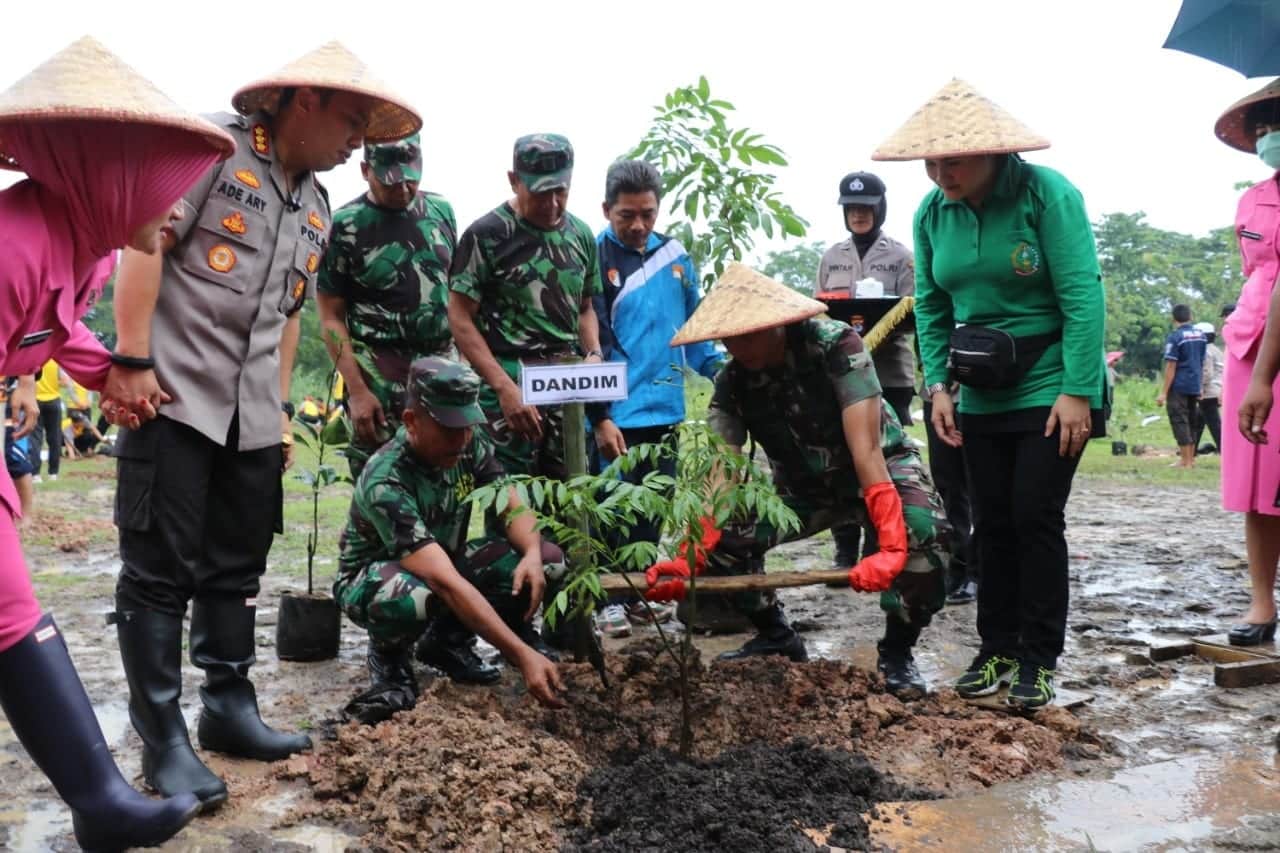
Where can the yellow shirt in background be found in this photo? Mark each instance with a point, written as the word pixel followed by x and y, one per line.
pixel 47 387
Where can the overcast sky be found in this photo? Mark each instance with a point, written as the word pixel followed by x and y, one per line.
pixel 1131 124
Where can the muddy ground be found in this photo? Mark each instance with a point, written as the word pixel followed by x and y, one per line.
pixel 1158 759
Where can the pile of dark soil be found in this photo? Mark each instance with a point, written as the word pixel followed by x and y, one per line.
pixel 754 798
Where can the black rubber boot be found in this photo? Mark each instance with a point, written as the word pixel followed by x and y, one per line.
pixel 512 613
pixel 50 713
pixel 847 538
pixel 222 644
pixel 448 646
pixel 895 662
pixel 390 666
pixel 774 636
pixel 151 651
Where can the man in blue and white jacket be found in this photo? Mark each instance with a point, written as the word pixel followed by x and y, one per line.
pixel 650 287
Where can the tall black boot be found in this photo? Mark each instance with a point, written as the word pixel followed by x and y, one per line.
pixel 895 661
pixel 512 613
pixel 151 650
pixel 774 636
pixel 47 707
pixel 222 644
pixel 448 645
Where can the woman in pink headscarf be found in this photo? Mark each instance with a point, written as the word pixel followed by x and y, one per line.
pixel 107 156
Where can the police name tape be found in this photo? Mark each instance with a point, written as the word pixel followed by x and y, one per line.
pixel 573 383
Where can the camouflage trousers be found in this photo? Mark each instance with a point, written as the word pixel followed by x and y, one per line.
pixel 519 455
pixel 395 606
pixel 917 593
pixel 388 386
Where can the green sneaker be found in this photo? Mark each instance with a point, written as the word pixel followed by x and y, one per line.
pixel 1032 687
pixel 986 675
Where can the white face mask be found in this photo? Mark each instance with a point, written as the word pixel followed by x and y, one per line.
pixel 1268 148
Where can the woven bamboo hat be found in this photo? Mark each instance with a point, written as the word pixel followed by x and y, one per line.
pixel 1230 126
pixel 958 121
pixel 86 81
pixel 745 301
pixel 332 66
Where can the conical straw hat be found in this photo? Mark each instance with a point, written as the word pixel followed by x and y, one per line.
pixel 332 66
pixel 958 122
pixel 1230 126
pixel 87 81
pixel 745 301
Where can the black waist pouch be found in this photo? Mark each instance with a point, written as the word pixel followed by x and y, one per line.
pixel 982 357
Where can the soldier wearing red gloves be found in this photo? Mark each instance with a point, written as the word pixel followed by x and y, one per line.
pixel 806 391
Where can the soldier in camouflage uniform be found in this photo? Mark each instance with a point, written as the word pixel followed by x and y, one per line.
pixel 404 549
pixel 806 391
pixel 521 287
pixel 384 289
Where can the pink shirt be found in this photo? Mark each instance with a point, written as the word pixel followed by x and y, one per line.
pixel 45 288
pixel 1258 231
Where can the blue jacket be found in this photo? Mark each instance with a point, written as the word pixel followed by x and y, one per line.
pixel 645 298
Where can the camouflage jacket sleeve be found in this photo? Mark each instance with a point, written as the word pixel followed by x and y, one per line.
pixel 392 511
pixel 448 222
pixel 336 269
pixel 724 414
pixel 470 268
pixel 849 365
pixel 591 285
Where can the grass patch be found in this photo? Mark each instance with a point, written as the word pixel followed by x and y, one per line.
pixel 289 550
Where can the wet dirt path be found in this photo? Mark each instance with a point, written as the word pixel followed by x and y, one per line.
pixel 1147 565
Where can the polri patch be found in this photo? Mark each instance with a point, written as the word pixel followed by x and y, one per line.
pixel 222 258
pixel 235 223
pixel 249 179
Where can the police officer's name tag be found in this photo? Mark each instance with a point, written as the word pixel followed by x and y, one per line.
pixel 573 383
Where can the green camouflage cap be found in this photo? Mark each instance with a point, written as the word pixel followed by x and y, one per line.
pixel 395 162
pixel 446 389
pixel 544 161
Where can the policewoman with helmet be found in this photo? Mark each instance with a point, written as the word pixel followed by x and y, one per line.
pixel 871 254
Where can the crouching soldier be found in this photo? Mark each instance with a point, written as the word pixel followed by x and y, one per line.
pixel 806 391
pixel 405 538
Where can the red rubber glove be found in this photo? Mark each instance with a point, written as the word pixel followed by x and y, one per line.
pixel 669 590
pixel 876 573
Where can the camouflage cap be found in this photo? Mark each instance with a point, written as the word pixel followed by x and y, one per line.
pixel 544 161
pixel 447 389
pixel 395 162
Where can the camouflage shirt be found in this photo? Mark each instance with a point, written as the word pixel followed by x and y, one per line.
pixel 530 283
pixel 402 504
pixel 794 410
pixel 392 268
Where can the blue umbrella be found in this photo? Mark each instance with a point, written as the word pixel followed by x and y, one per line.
pixel 1240 34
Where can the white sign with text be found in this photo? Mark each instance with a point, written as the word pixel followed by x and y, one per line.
pixel 544 384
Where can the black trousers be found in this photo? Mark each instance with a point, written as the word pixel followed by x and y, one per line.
pixel 1209 414
pixel 196 517
pixel 48 428
pixel 946 466
pixel 1018 489
pixel 645 529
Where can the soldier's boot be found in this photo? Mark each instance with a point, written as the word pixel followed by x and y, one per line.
pixel 449 646
pixel 151 651
pixel 512 613
pixel 895 661
pixel 847 538
pixel 774 636
pixel 222 644
pixel 390 666
pixel 50 713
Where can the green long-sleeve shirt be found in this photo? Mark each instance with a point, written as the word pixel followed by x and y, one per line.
pixel 1025 263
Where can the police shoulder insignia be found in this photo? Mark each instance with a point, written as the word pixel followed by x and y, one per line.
pixel 261 140
pixel 248 178
pixel 299 289
pixel 1025 258
pixel 313 262
pixel 222 258
pixel 314 219
pixel 235 223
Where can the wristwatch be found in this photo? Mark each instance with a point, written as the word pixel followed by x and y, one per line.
pixel 935 388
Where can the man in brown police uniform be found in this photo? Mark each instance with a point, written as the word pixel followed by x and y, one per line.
pixel 207 334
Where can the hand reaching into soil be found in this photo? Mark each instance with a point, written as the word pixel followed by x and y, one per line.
pixel 542 678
